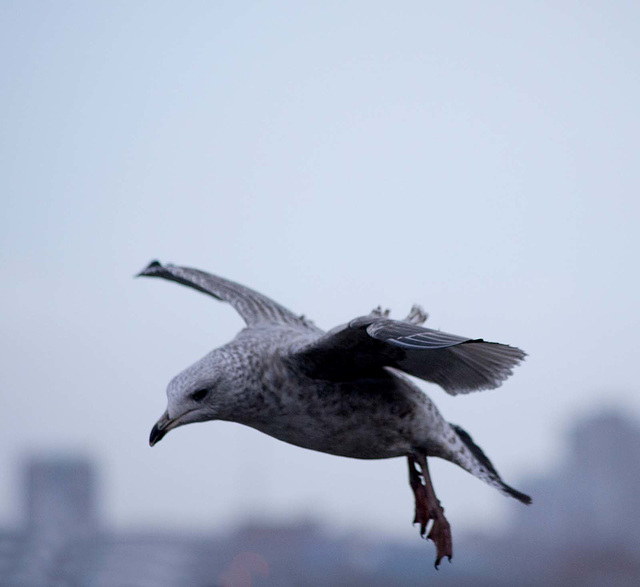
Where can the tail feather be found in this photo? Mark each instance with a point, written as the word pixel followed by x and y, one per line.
pixel 487 464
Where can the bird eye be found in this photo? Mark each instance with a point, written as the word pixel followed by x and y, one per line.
pixel 199 395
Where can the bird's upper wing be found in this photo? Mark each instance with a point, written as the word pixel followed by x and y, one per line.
pixel 251 305
pixel 365 345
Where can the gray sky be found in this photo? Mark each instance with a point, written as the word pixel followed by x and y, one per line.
pixel 477 158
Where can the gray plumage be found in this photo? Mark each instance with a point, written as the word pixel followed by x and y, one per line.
pixel 343 392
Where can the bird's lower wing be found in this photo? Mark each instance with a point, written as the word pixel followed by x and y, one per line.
pixel 365 345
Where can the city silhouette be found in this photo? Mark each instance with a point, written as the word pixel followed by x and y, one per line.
pixel 582 530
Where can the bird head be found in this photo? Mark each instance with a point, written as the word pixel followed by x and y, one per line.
pixel 197 394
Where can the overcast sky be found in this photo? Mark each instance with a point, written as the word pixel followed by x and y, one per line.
pixel 478 158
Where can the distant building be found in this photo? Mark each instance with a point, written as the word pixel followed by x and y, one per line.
pixel 594 498
pixel 63 544
pixel 584 525
pixel 61 499
pixel 61 525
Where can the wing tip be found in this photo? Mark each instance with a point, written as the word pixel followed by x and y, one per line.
pixel 521 497
pixel 151 269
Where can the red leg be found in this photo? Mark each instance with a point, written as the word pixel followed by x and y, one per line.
pixel 428 508
pixel 421 515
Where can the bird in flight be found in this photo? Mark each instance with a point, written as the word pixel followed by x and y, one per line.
pixel 342 392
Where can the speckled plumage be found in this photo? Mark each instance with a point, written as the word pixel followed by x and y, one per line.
pixel 342 392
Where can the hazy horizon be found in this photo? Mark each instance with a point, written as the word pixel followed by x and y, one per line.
pixel 478 159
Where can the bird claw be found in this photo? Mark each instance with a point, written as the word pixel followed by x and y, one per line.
pixel 437 563
pixel 440 534
pixel 428 509
pixel 418 519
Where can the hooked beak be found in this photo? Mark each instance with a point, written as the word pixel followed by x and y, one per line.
pixel 162 426
pixel 165 423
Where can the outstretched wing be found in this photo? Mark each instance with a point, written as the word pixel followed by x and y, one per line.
pixel 365 345
pixel 253 307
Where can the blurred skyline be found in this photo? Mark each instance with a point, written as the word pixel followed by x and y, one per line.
pixel 583 532
pixel 478 159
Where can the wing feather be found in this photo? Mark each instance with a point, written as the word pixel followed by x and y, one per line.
pixel 252 306
pixel 367 344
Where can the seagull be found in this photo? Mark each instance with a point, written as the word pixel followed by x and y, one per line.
pixel 344 392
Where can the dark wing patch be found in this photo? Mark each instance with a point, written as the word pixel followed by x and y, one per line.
pixel 252 306
pixel 367 344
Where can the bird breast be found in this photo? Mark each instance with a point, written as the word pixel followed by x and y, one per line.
pixel 366 418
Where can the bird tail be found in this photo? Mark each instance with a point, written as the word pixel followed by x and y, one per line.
pixel 487 471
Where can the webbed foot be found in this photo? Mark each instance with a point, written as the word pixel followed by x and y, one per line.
pixel 428 508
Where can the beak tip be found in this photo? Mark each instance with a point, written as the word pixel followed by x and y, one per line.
pixel 156 435
pixel 160 428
